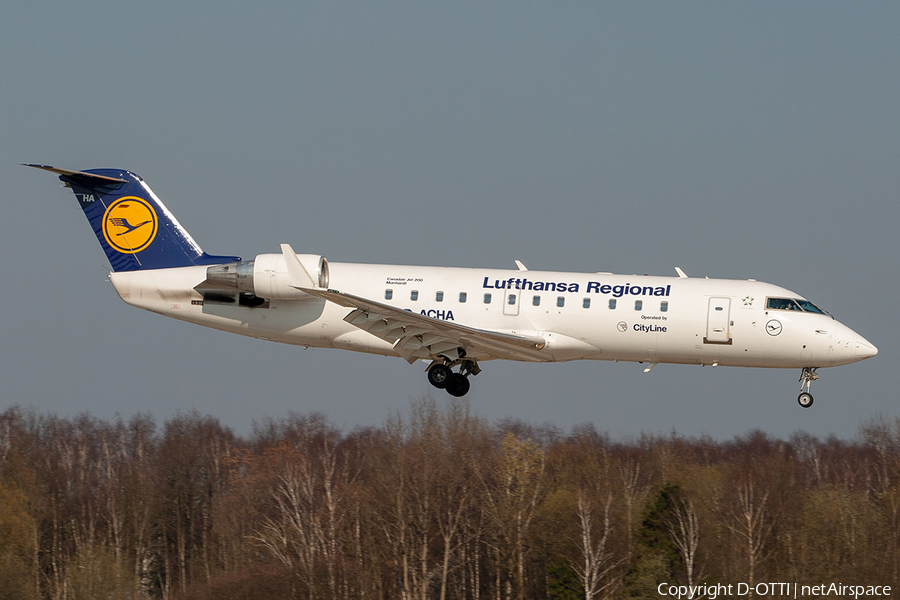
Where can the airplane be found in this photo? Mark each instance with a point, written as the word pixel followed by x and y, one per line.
pixel 453 318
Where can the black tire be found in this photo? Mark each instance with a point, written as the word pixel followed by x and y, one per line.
pixel 805 399
pixel 439 376
pixel 458 385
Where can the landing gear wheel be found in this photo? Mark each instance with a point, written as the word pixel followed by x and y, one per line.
pixel 457 385
pixel 807 376
pixel 439 376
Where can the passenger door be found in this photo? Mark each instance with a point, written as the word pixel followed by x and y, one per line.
pixel 718 322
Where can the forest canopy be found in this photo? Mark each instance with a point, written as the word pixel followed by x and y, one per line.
pixel 435 503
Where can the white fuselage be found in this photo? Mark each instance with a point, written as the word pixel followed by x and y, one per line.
pixel 652 319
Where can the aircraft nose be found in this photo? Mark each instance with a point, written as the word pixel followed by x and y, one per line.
pixel 852 347
pixel 864 349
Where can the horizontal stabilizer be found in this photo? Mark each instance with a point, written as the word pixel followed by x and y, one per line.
pixel 87 180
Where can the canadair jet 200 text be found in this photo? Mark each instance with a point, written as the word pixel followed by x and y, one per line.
pixel 455 318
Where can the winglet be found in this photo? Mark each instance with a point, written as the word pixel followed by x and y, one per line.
pixel 521 266
pixel 299 276
pixel 681 273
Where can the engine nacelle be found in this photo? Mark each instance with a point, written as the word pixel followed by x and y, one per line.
pixel 271 279
pixel 267 276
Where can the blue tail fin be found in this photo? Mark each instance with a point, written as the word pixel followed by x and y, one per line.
pixel 133 226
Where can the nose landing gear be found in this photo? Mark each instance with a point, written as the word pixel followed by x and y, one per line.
pixel 807 376
pixel 441 376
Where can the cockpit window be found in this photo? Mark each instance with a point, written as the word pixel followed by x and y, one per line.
pixel 793 304
pixel 808 306
pixel 782 304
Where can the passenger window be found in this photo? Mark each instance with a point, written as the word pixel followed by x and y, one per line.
pixel 586 303
pixel 536 301
pixel 664 306
pixel 511 299
pixel 638 304
pixel 439 296
pixel 462 297
pixel 487 298
pixel 414 295
pixel 388 294
pixel 561 301
pixel 612 304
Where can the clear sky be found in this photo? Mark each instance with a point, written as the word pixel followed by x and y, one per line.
pixel 739 140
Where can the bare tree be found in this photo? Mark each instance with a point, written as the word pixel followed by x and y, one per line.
pixel 598 561
pixel 684 527
pixel 752 525
pixel 635 491
pixel 292 535
pixel 513 493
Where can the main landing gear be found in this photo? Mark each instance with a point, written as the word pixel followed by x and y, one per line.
pixel 807 376
pixel 441 376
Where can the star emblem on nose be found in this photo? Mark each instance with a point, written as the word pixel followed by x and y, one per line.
pixel 748 301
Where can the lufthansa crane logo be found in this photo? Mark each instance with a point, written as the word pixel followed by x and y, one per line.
pixel 130 224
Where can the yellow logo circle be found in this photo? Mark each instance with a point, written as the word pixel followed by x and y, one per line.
pixel 129 224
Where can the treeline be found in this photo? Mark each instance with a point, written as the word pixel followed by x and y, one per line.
pixel 436 503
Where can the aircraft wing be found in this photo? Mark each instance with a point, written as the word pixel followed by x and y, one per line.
pixel 416 336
